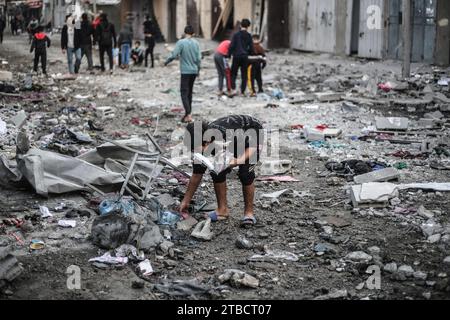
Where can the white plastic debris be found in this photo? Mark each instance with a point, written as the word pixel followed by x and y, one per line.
pixel 108 259
pixel 45 212
pixel 67 223
pixel 146 268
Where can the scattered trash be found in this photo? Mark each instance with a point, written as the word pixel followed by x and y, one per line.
pixel 273 254
pixel 37 245
pixel 45 212
pixel 145 268
pixel 169 218
pixel 108 259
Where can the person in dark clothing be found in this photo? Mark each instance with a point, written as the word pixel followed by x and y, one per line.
pixel 86 33
pixel 2 28
pixel 149 32
pixel 107 39
pixel 70 44
pixel 245 136
pixel 256 65
pixel 14 25
pixel 39 45
pixel 240 48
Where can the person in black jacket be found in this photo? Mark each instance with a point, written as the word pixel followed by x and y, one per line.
pixel 2 27
pixel 240 48
pixel 70 44
pixel 149 31
pixel 86 33
pixel 39 45
pixel 106 37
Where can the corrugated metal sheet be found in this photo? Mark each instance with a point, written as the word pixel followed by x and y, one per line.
pixel 371 40
pixel 313 25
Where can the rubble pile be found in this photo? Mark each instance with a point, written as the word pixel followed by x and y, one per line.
pixel 360 182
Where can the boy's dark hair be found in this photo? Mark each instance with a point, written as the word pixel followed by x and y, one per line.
pixel 147 17
pixel 255 37
pixel 245 23
pixel 40 29
pixel 190 141
pixel 84 17
pixel 104 17
pixel 138 42
pixel 189 30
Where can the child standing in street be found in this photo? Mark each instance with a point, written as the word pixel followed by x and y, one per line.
pixel 256 65
pixel 222 66
pixel 39 45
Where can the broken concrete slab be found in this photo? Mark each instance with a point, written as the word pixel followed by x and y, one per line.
pixel 203 231
pixel 382 175
pixel 275 167
pixel 383 123
pixel 312 135
pixel 374 194
pixel 328 96
pixel 187 224
pixel 238 278
pixel 10 268
pixel 5 75
pixel 19 119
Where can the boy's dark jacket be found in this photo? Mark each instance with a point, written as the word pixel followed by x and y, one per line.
pixel 65 38
pixel 86 33
pixel 40 42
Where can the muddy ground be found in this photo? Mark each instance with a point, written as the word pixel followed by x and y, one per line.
pixel 290 225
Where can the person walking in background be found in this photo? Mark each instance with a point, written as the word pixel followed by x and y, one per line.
pixel 86 33
pixel 257 64
pixel 241 48
pixel 70 44
pixel 2 27
pixel 32 27
pixel 14 25
pixel 149 32
pixel 106 37
pixel 39 45
pixel 188 50
pixel 125 43
pixel 223 69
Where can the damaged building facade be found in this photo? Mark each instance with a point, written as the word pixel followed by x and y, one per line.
pixel 371 28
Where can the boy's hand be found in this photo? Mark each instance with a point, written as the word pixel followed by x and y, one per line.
pixel 64 51
pixel 184 207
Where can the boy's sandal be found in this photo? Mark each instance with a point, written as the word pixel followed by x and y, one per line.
pixel 248 221
pixel 216 217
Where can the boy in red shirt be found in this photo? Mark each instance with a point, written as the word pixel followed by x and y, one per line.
pixel 39 45
pixel 222 66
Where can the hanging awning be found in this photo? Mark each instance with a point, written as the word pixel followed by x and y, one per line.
pixel 34 4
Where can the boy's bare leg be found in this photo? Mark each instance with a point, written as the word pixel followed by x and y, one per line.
pixel 249 195
pixel 221 196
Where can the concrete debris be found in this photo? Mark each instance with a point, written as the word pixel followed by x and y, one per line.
pixel 337 294
pixel 392 123
pixel 238 278
pixel 383 175
pixel 203 231
pixel 358 256
pixel 10 268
